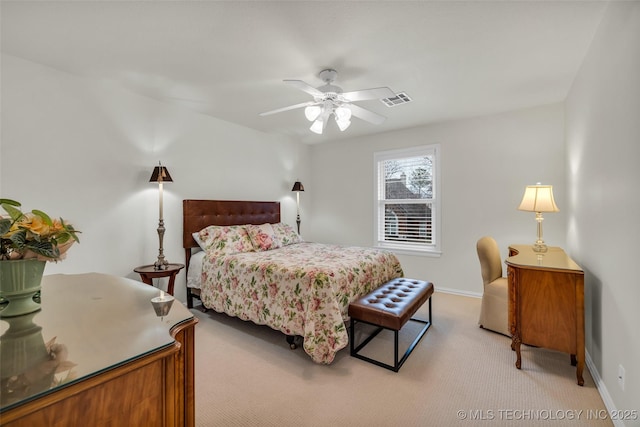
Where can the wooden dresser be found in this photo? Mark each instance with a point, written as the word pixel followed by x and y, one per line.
pixel 116 363
pixel 546 303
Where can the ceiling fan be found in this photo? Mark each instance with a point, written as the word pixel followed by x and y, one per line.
pixel 331 100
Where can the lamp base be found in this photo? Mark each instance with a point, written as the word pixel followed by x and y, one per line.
pixel 540 247
pixel 161 264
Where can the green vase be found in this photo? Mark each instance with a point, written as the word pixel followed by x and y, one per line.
pixel 20 286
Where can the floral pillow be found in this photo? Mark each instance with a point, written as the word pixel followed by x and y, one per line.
pixel 263 237
pixel 223 240
pixel 286 234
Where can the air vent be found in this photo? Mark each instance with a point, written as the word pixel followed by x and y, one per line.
pixel 400 98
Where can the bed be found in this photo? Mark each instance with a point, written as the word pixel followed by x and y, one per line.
pixel 296 287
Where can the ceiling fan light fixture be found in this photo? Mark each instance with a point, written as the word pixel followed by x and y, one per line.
pixel 332 100
pixel 317 127
pixel 342 113
pixel 343 124
pixel 312 112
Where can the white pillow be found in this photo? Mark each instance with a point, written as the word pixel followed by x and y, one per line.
pixel 196 237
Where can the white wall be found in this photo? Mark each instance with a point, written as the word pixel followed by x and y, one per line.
pixel 486 163
pixel 85 149
pixel 603 140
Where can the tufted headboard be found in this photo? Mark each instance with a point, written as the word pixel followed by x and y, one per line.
pixel 198 214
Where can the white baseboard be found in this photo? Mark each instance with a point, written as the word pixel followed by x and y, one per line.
pixel 458 292
pixel 602 389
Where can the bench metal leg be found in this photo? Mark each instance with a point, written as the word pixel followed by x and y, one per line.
pixel 397 364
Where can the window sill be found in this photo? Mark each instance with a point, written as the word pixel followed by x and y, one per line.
pixel 399 250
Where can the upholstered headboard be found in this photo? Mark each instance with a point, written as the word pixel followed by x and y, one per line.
pixel 198 214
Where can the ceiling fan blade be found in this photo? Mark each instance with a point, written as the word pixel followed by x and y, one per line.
pixel 299 84
pixel 367 94
pixel 366 115
pixel 291 107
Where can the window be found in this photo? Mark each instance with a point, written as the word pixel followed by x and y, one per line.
pixel 407 200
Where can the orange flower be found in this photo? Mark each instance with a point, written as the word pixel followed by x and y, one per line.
pixel 34 224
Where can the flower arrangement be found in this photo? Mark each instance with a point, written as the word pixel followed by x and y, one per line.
pixel 33 234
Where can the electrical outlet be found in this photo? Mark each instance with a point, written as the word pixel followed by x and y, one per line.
pixel 621 376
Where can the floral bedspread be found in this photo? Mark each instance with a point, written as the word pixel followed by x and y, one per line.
pixel 301 289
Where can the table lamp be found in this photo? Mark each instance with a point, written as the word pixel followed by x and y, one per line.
pixel 538 198
pixel 160 175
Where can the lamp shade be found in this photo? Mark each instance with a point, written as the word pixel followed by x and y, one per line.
pixel 312 112
pixel 160 174
pixel 298 186
pixel 317 126
pixel 538 198
pixel 343 123
pixel 342 113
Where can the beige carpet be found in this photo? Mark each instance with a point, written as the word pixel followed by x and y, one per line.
pixel 459 375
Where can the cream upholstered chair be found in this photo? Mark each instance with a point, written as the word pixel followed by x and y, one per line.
pixel 495 305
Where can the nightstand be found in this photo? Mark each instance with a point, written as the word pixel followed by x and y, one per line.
pixel 148 273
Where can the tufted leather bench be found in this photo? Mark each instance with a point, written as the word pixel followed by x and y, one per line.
pixel 390 306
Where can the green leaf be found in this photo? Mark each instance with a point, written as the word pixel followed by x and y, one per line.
pixel 63 238
pixel 13 212
pixel 19 239
pixel 9 202
pixel 69 229
pixel 44 217
pixel 5 225
pixel 44 249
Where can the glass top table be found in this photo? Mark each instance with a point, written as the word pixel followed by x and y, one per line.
pixel 88 323
pixel 554 258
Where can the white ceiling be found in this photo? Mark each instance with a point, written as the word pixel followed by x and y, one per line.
pixel 455 59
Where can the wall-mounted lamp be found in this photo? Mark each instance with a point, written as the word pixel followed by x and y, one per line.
pixel 298 187
pixel 160 175
pixel 538 198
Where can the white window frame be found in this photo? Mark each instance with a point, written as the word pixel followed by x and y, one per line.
pixel 410 248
